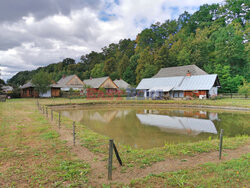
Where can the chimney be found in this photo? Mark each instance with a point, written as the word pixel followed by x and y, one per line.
pixel 90 78
pixel 188 73
pixel 63 76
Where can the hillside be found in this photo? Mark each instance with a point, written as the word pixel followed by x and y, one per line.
pixel 215 38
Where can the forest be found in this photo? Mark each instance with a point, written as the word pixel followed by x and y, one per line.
pixel 215 38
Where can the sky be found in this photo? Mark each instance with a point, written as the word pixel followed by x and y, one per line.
pixel 35 33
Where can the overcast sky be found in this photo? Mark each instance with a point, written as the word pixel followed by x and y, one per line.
pixel 36 33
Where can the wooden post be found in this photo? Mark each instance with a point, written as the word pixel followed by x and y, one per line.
pixel 221 139
pixel 43 109
pixel 47 111
pixel 110 159
pixel 51 115
pixel 59 120
pixel 74 134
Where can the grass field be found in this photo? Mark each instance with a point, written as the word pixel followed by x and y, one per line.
pixel 33 153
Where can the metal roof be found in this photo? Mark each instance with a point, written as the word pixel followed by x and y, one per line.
pixel 180 83
pixel 122 84
pixel 95 82
pixel 199 82
pixel 27 85
pixel 149 83
pixel 179 71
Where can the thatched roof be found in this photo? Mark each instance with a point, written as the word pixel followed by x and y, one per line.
pixel 122 84
pixel 64 82
pixel 95 82
pixel 180 71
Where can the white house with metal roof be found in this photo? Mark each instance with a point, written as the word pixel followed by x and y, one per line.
pixel 202 86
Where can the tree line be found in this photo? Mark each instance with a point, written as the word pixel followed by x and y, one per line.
pixel 215 38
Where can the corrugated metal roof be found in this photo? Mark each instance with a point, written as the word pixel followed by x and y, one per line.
pixel 180 83
pixel 149 83
pixel 122 84
pixel 179 71
pixel 199 82
pixel 95 82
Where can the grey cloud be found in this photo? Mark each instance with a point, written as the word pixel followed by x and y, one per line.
pixel 12 10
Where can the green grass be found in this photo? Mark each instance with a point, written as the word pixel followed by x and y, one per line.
pixel 31 154
pixel 233 173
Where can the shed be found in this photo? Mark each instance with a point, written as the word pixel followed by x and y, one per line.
pixel 72 81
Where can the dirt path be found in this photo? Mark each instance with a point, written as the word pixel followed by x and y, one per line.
pixel 98 174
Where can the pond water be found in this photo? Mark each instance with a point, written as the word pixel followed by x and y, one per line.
pixel 152 127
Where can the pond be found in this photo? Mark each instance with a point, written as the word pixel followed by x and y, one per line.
pixel 142 127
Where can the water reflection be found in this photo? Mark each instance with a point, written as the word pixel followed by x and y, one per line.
pixel 179 125
pixel 147 128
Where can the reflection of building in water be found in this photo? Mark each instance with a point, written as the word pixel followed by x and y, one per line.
pixel 180 125
pixel 102 116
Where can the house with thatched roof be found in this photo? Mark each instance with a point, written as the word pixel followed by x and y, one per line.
pixel 122 84
pixel 71 82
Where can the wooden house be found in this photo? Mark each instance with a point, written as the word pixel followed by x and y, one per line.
pixel 103 82
pixel 28 90
pixel 71 82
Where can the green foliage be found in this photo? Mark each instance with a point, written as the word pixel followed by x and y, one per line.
pixel 41 81
pixel 97 71
pixel 245 89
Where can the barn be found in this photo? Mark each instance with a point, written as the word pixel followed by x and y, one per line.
pixel 103 82
pixel 71 82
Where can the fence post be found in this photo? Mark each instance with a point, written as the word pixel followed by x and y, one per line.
pixel 59 120
pixel 51 115
pixel 221 139
pixel 111 144
pixel 74 133
pixel 43 109
pixel 46 111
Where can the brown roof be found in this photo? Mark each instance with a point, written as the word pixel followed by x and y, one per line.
pixel 180 71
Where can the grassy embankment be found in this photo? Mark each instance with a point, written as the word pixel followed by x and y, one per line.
pixel 31 153
pixel 244 103
pixel 233 173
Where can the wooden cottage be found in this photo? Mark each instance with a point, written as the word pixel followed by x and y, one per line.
pixel 103 82
pixel 71 82
pixel 28 90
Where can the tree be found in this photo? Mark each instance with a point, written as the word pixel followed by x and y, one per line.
pixel 97 71
pixel 41 81
pixel 245 89
pixel 109 66
pixel 123 64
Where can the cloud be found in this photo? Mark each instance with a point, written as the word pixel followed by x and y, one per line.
pixel 41 32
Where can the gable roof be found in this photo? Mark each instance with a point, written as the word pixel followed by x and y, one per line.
pixel 121 84
pixel 180 83
pixel 179 71
pixel 95 82
pixel 29 84
pixel 63 82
